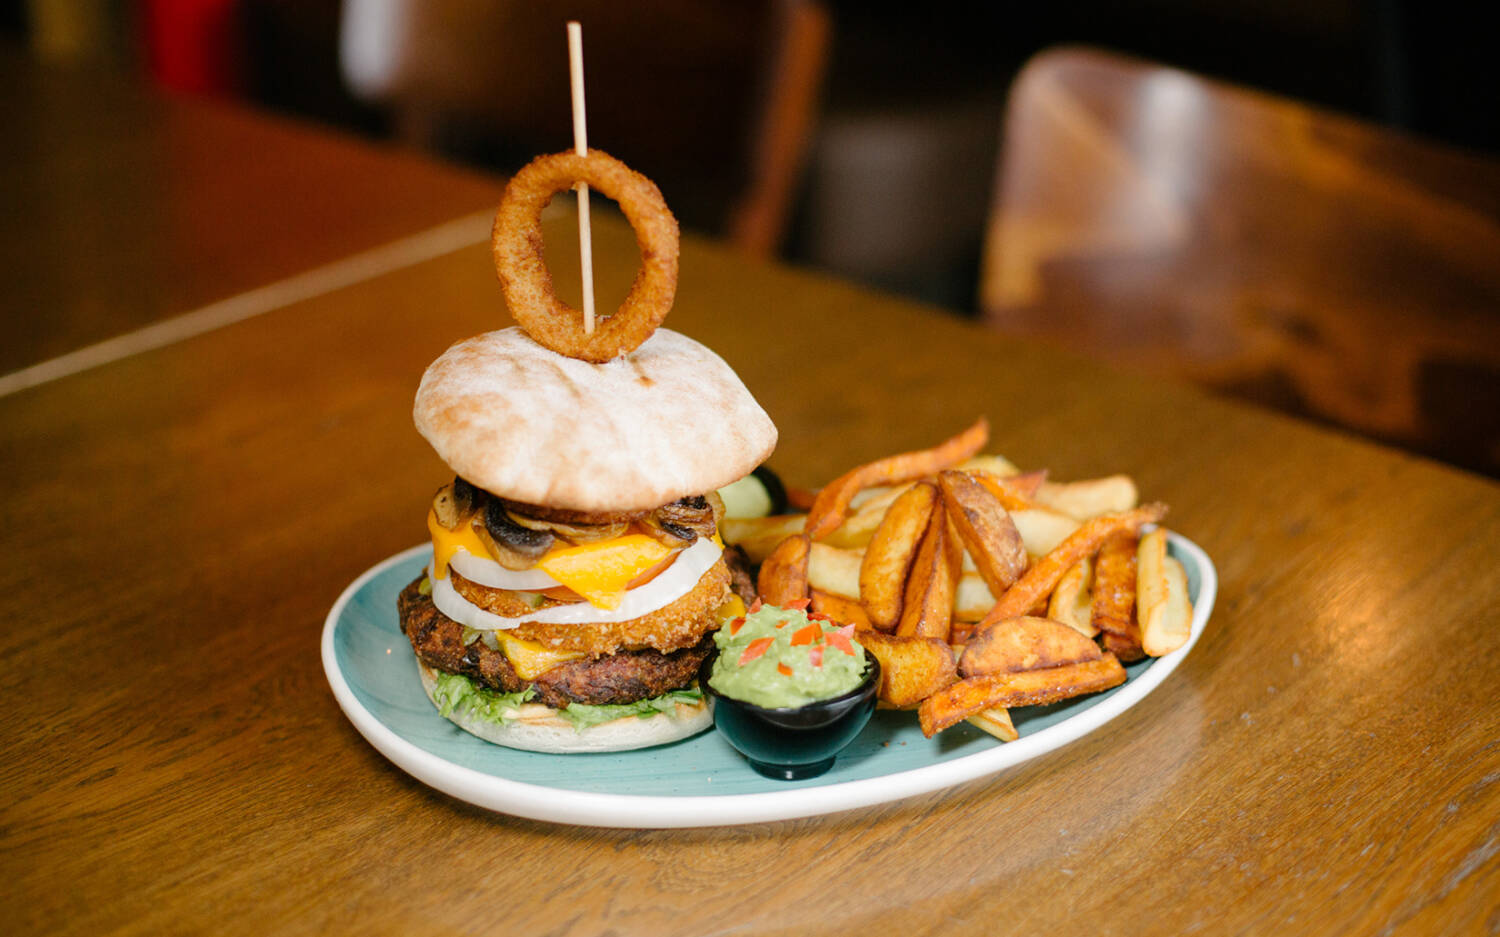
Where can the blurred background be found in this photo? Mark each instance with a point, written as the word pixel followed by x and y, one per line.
pixel 941 150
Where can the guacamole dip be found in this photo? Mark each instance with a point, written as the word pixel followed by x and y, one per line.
pixel 779 658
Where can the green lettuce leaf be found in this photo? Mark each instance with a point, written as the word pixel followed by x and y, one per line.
pixel 583 716
pixel 454 693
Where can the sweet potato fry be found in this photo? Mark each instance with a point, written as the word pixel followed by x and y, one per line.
pixel 832 503
pixel 1025 644
pixel 844 610
pixel 887 564
pixel 800 499
pixel 1165 612
pixel 1039 581
pixel 1072 600
pixel 783 576
pixel 1010 495
pixel 927 603
pixel 911 669
pixel 758 536
pixel 963 699
pixel 1091 497
pixel 1027 484
pixel 985 529
pixel 996 722
pixel 1113 607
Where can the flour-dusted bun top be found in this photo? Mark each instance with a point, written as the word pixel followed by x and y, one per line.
pixel 667 420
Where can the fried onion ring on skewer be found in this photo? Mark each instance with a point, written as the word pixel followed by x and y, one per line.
pixel 521 263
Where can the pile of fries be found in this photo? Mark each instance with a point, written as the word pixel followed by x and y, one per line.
pixel 979 587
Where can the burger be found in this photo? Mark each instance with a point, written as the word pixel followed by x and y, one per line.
pixel 577 572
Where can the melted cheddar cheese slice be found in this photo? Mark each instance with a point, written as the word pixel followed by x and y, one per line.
pixel 601 572
pixel 447 542
pixel 531 659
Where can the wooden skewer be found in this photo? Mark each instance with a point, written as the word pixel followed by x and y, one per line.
pixel 581 147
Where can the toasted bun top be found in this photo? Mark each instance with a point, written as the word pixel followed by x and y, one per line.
pixel 667 420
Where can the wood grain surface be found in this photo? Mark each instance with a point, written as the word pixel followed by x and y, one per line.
pixel 1259 246
pixel 126 206
pixel 177 525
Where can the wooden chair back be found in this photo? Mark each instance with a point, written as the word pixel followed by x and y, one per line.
pixel 714 100
pixel 1258 246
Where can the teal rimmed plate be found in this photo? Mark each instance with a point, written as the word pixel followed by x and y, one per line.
pixel 700 781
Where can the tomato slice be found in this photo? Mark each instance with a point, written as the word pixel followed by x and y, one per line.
pixel 815 655
pixel 784 670
pixel 798 604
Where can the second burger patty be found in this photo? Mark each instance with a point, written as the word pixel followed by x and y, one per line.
pixel 624 677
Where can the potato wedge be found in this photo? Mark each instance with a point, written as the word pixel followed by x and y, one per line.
pixel 927 604
pixel 832 504
pixel 997 465
pixel 783 576
pixel 844 610
pixel 1072 600
pixel 855 532
pixel 1113 608
pixel 1165 612
pixel 1039 581
pixel 985 529
pixel 911 669
pixel 962 699
pixel 834 570
pixel 996 722
pixel 1126 646
pixel 1090 498
pixel 1042 529
pixel 1025 644
pixel 758 536
pixel 887 562
pixel 973 599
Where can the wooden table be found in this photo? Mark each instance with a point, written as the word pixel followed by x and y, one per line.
pixel 178 522
pixel 124 207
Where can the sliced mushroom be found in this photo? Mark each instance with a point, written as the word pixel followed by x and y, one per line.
pixel 515 547
pixel 666 533
pixel 686 519
pixel 574 533
pixel 455 503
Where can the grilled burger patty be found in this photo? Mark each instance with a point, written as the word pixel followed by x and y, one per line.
pixel 623 677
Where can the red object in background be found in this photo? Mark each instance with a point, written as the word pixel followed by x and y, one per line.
pixel 194 45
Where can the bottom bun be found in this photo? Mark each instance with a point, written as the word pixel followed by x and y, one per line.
pixel 538 728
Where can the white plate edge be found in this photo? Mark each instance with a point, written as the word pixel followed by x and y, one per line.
pixel 634 811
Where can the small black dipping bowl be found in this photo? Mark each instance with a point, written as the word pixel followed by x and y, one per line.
pixel 798 742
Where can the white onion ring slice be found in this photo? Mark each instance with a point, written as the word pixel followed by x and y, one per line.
pixel 673 583
pixel 486 572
